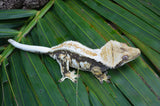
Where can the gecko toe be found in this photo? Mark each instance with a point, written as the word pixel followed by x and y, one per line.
pixel 62 79
pixel 72 76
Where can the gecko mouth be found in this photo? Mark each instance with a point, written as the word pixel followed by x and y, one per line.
pixel 119 64
pixel 123 61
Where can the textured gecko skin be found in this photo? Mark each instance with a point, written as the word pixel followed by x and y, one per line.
pixel 97 61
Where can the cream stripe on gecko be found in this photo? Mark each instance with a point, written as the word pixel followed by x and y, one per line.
pixel 73 54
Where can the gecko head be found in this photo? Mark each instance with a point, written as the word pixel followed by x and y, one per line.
pixel 127 53
pixel 115 54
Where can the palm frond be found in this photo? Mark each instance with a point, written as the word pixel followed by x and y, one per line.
pixel 32 79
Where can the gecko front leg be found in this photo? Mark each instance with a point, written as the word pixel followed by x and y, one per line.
pixel 97 72
pixel 63 60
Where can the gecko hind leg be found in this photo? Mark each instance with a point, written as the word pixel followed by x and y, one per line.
pixel 96 71
pixel 66 73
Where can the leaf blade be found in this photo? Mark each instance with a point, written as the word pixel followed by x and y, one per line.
pixel 133 25
pixel 16 13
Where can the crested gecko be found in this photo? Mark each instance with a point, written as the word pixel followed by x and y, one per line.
pixel 73 54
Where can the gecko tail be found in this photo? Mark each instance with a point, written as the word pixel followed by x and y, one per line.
pixel 29 48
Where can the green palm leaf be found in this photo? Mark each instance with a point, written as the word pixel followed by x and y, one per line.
pixel 32 79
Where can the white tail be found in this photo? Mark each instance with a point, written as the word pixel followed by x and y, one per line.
pixel 29 48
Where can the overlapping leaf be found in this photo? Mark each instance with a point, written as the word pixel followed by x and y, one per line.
pixel 8 33
pixel 14 14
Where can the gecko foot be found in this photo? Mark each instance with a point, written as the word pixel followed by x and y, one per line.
pixel 105 78
pixel 70 75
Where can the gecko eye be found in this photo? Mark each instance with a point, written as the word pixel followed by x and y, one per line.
pixel 125 57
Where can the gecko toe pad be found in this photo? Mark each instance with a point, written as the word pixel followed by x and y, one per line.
pixel 70 75
pixel 105 78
